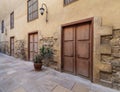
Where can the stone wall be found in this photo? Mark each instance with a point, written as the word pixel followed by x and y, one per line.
pixel 115 43
pixel 20 49
pixel 53 43
pixel 112 79
pixel 4 47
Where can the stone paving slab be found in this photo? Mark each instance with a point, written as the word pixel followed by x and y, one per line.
pixel 19 76
pixel 80 88
pixel 66 83
pixel 19 90
pixel 61 89
pixel 9 85
pixel 46 85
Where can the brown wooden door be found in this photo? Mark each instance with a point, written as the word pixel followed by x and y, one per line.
pixel 33 45
pixel 77 49
pixel 12 46
pixel 68 49
pixel 83 41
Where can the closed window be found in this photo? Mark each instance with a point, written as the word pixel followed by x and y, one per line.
pixel 68 1
pixel 32 9
pixel 2 26
pixel 12 20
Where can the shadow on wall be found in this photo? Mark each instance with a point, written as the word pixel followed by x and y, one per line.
pixel 4 47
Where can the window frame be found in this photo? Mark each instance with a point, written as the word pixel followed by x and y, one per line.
pixel 69 2
pixel 12 20
pixel 2 26
pixel 31 13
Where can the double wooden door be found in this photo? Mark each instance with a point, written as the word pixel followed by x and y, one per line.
pixel 77 49
pixel 33 45
pixel 12 46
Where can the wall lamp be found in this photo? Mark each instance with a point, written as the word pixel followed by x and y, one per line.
pixel 42 11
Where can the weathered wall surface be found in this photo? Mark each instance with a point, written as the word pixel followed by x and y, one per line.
pixel 115 43
pixel 106 59
pixel 112 78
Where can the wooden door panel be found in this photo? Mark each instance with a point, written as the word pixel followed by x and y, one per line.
pixel 36 47
pixel 11 40
pixel 83 32
pixel 68 48
pixel 68 33
pixel 83 49
pixel 33 45
pixel 83 67
pixel 69 64
pixel 35 38
pixel 31 38
pixel 12 46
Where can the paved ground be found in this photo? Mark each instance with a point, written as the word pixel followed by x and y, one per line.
pixel 19 76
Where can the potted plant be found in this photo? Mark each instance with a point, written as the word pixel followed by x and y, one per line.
pixel 37 62
pixel 47 53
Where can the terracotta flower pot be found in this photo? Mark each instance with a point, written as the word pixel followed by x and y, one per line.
pixel 37 66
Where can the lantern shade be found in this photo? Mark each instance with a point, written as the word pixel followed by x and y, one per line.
pixel 42 10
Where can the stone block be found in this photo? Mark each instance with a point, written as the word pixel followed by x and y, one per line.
pixel 106 76
pixel 106 30
pixel 115 62
pixel 116 49
pixel 107 58
pixel 105 49
pixel 106 83
pixel 116 33
pixel 105 39
pixel 116 86
pixel 115 42
pixel 117 80
pixel 105 67
pixel 116 55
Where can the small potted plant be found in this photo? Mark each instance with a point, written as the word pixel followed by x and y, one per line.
pixel 37 62
pixel 47 54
